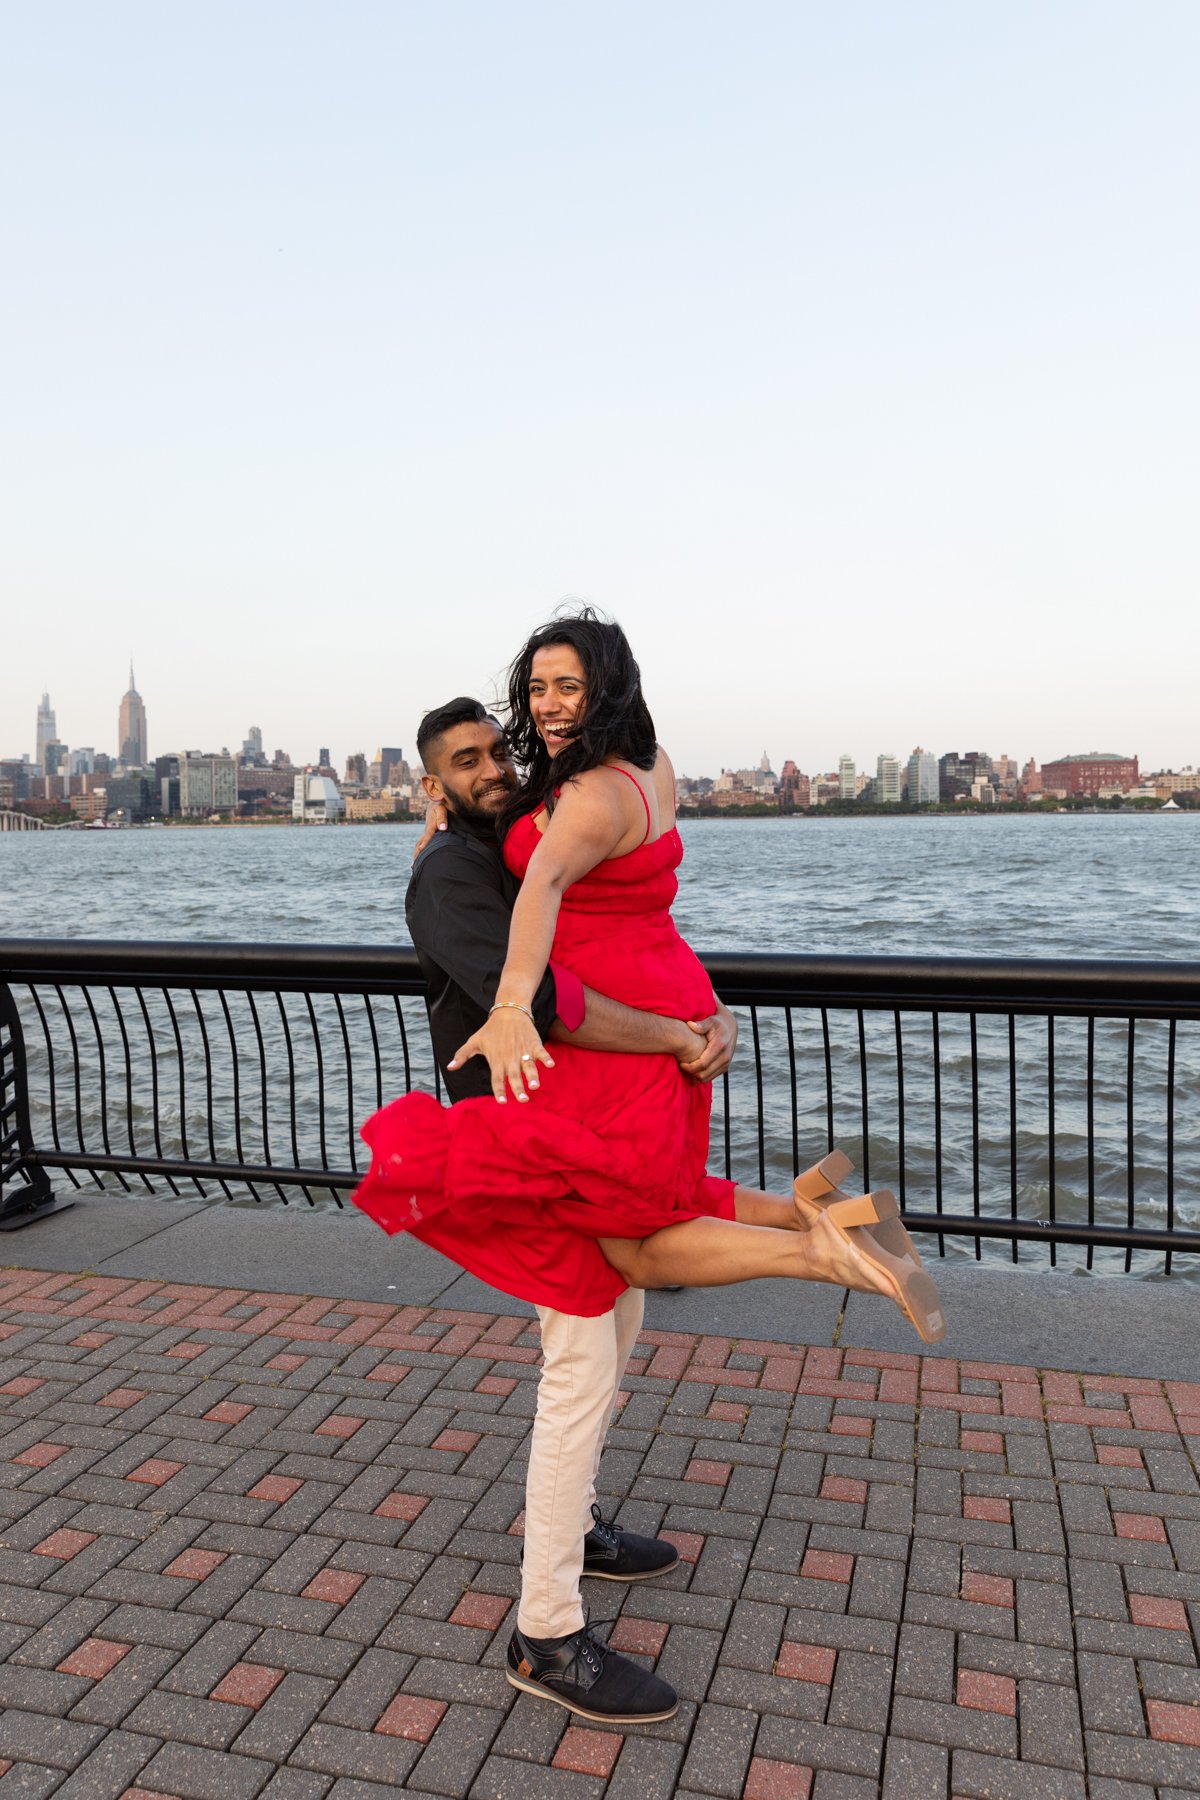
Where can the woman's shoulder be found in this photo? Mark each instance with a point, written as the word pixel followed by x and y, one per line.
pixel 641 773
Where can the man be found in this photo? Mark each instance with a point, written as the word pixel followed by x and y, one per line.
pixel 459 901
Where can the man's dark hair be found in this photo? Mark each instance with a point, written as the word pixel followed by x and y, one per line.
pixel 616 720
pixel 435 724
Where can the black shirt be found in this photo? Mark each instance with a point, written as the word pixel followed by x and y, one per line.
pixel 458 907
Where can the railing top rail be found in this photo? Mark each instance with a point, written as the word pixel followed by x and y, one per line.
pixel 980 983
pixel 188 961
pixel 970 983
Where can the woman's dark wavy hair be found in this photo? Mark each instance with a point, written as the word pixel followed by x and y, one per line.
pixel 616 720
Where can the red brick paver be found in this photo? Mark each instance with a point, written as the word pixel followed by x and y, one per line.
pixel 155 1472
pixel 335 1585
pixel 987 1590
pixel 275 1487
pixel 1151 1609
pixel 688 1543
pixel 195 1565
pixel 401 1506
pixel 456 1440
pixel 587 1752
pixel 806 1662
pixel 339 1425
pixel 1141 1526
pixel 248 1684
pixel 65 1544
pixel 979 1506
pixel 641 1637
pixel 714 1473
pixel 987 1693
pixel 767 1779
pixel 827 1565
pixel 410 1716
pixel 843 1487
pixel 94 1658
pixel 1119 1456
pixel 481 1609
pixel 1171 1723
pixel 989 1442
pixel 40 1456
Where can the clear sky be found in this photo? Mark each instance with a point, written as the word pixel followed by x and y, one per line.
pixel 847 354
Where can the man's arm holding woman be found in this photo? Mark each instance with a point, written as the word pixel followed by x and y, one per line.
pixel 595 818
pixel 463 922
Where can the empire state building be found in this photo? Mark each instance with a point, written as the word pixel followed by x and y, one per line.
pixel 131 728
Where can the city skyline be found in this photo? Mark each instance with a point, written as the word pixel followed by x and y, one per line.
pixel 849 362
pixel 845 763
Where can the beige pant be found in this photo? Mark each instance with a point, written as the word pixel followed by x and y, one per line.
pixel 584 1362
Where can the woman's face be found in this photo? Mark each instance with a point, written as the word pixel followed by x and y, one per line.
pixel 557 692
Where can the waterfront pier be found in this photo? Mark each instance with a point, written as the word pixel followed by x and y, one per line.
pixel 264 1468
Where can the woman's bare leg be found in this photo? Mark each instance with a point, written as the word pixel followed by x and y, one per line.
pixel 715 1252
pixel 752 1207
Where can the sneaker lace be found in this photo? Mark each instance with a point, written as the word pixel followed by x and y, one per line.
pixel 609 1535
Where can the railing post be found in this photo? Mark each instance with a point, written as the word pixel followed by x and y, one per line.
pixel 25 1191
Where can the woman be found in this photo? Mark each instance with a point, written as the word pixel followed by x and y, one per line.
pixel 611 1147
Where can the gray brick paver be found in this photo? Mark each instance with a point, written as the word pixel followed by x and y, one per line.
pixel 982 1777
pixel 915 1771
pixel 719 1754
pixel 112 1767
pixel 455 1753
pixel 32 1781
pixel 197 1774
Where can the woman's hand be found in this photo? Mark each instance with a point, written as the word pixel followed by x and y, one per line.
pixel 513 1049
pixel 435 821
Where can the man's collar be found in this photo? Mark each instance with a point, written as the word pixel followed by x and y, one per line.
pixel 482 833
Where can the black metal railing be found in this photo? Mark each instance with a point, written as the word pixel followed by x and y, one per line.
pixel 1031 1101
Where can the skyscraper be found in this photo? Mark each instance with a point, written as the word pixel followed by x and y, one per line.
pixel 131 728
pixel 379 772
pixel 887 779
pixel 846 773
pixel 922 781
pixel 47 732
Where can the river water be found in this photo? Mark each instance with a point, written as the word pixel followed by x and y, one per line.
pixel 1048 886
pixel 1058 885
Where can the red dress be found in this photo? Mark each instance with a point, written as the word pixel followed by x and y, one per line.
pixel 611 1145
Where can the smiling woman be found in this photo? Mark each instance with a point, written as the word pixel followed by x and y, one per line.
pixel 575 702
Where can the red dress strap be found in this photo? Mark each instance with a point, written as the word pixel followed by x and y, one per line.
pixel 637 784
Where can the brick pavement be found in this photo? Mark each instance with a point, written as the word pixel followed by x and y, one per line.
pixel 259 1544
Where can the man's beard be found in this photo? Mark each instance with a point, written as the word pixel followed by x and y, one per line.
pixel 475 814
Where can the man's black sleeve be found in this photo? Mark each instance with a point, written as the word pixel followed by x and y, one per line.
pixel 459 915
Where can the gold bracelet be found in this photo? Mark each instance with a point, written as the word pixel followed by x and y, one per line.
pixel 512 1006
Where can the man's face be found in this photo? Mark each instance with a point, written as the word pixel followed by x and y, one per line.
pixel 472 772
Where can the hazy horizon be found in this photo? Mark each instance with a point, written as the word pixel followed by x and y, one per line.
pixel 848 357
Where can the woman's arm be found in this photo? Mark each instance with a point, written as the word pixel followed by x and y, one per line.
pixel 589 824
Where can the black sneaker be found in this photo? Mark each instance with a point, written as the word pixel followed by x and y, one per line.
pixel 591 1680
pixel 614 1554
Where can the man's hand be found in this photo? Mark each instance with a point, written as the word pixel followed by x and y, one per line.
pixel 718 1035
pixel 435 821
